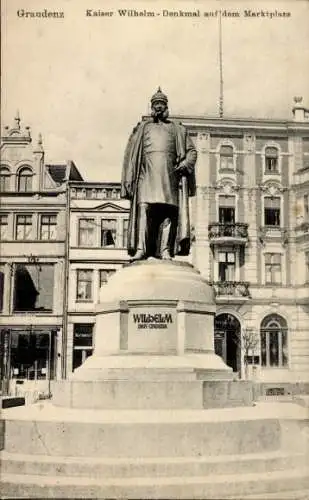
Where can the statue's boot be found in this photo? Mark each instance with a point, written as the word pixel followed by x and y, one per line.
pixel 166 255
pixel 140 253
pixel 166 237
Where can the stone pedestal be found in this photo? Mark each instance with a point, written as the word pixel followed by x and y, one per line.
pixel 154 345
pixel 137 419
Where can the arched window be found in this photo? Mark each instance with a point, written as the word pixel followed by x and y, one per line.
pixel 226 158
pixel 274 341
pixel 4 179
pixel 271 160
pixel 24 182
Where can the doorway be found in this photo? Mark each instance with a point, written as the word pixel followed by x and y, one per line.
pixel 228 339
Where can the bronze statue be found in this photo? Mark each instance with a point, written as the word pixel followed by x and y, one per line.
pixel 158 177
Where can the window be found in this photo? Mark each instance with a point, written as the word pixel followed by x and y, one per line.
pixel 3 227
pixel 108 232
pixel 1 286
pixel 23 227
pixel 271 160
pixel 226 158
pixel 125 233
pixel 105 274
pixel 84 284
pixel 272 211
pixel 272 268
pixel 48 229
pixel 24 180
pixel 33 287
pixel 227 335
pixel 4 179
pixel 274 350
pixel 86 232
pixel 226 209
pixel 306 208
pixel 33 354
pixel 226 266
pixel 82 343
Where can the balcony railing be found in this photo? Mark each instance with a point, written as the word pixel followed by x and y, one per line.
pixel 237 289
pixel 235 231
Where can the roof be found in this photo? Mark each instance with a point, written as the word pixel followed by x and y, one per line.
pixel 61 172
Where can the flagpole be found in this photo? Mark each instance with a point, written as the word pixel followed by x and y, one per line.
pixel 220 67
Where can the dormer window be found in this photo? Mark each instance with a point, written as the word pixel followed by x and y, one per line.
pixel 226 158
pixel 271 160
pixel 24 180
pixel 4 179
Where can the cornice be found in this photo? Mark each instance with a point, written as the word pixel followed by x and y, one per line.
pixel 94 184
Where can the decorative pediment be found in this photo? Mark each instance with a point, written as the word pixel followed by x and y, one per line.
pixel 109 207
pixel 226 185
pixel 272 188
pixel 15 134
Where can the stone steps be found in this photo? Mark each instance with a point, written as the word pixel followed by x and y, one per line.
pixel 178 454
pixel 136 439
pixel 280 495
pixel 184 487
pixel 14 463
pixel 46 430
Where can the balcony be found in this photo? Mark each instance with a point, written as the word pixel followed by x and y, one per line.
pixel 224 233
pixel 231 291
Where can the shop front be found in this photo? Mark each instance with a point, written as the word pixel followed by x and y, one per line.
pixel 28 360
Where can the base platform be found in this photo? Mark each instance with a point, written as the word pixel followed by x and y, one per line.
pixel 54 452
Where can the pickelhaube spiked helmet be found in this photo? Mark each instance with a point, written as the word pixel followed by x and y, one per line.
pixel 159 96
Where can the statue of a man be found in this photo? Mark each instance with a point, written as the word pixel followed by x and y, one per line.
pixel 158 177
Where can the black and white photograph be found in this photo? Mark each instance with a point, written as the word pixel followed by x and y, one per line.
pixel 154 249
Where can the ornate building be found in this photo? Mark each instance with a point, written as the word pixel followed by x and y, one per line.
pixel 33 264
pixel 252 239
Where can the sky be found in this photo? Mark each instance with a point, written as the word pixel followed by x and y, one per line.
pixel 83 82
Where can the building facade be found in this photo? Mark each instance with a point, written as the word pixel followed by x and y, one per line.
pixel 97 248
pixel 33 222
pixel 250 240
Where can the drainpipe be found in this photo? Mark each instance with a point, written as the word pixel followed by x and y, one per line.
pixel 66 280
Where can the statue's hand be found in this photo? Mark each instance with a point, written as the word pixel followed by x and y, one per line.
pixel 181 168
